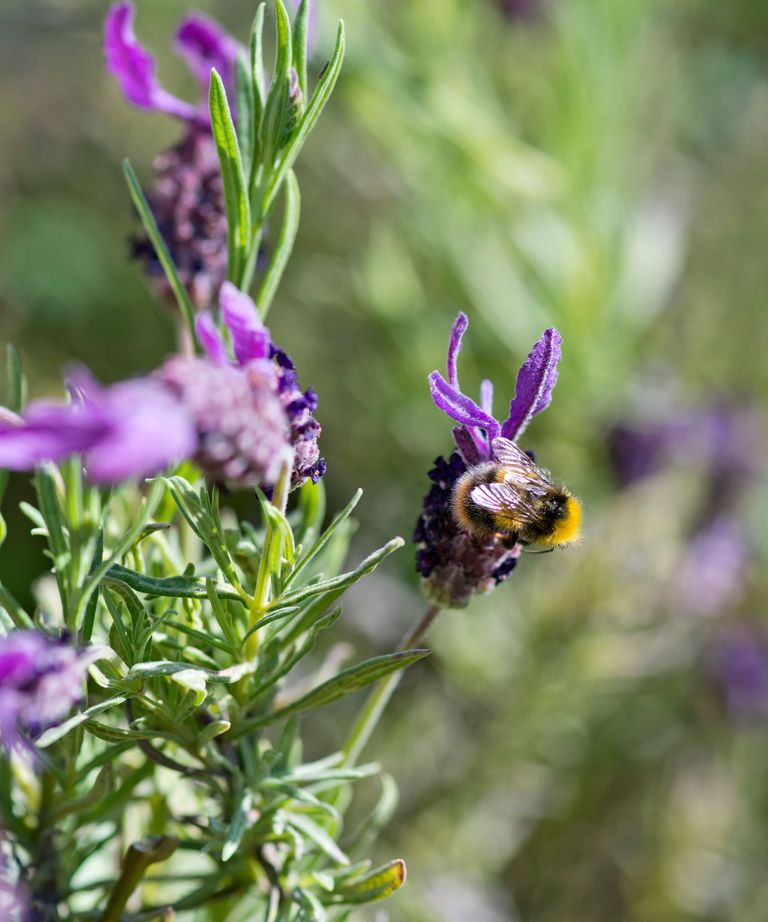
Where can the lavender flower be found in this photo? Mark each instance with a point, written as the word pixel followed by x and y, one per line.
pixel 268 370
pixel 456 565
pixel 187 199
pixel 132 429
pixel 240 420
pixel 40 681
pixel 739 665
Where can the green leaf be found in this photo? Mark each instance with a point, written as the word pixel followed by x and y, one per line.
pixel 14 397
pixel 143 671
pixel 90 611
pixel 312 830
pixel 277 106
pixel 237 824
pixel 161 250
pixel 311 512
pixel 257 63
pixel 172 587
pixel 233 178
pixel 320 544
pixel 212 730
pixel 192 680
pixel 345 683
pixel 56 733
pixel 340 582
pixel 245 112
pixel 377 884
pixel 14 610
pixel 316 105
pixel 300 36
pixel 284 245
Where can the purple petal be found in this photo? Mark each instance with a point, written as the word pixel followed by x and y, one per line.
pixel 134 67
pixel 460 324
pixel 210 338
pixel 250 337
pixel 204 45
pixel 150 430
pixel 459 407
pixel 49 432
pixel 472 445
pixel 535 381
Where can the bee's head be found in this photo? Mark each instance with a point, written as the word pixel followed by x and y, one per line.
pixel 567 520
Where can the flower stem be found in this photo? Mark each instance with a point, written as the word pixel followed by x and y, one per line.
pixel 379 697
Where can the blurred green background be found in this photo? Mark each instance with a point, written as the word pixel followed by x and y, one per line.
pixel 589 742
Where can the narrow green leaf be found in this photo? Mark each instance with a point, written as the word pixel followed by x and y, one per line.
pixel 313 552
pixel 246 130
pixel 300 36
pixel 161 250
pixel 377 884
pixel 14 397
pixel 311 114
pixel 212 730
pixel 173 587
pixel 311 512
pixel 57 733
pixel 345 683
pixel 236 829
pixel 312 830
pixel 50 510
pixel 284 246
pixel 233 178
pixel 277 105
pixel 13 609
pixel 90 611
pixel 341 582
pixel 256 45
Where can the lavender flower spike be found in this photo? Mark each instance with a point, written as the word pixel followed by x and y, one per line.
pixel 263 362
pixel 40 681
pixel 477 426
pixel 456 564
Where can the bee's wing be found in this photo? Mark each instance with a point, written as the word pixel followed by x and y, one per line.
pixel 503 500
pixel 520 469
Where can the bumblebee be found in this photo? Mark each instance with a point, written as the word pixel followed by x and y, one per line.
pixel 512 499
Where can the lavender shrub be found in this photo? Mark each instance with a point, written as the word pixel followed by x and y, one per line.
pixel 151 762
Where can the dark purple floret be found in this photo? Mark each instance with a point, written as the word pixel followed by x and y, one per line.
pixel 305 429
pixel 455 565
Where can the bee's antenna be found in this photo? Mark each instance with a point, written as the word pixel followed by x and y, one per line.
pixel 548 551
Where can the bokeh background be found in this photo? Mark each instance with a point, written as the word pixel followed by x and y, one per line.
pixel 589 742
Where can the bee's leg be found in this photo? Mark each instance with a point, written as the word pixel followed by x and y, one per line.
pixel 547 551
pixel 509 539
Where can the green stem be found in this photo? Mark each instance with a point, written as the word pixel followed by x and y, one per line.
pixel 137 859
pixel 379 697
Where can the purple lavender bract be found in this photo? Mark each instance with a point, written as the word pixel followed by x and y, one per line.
pixel 454 564
pixel 40 681
pixel 132 429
